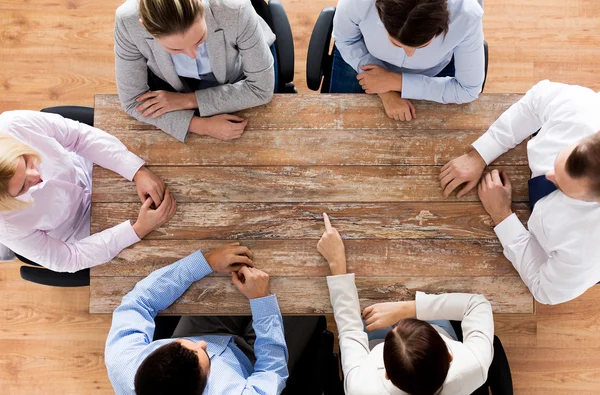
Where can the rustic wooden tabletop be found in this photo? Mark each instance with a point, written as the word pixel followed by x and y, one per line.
pixel 302 155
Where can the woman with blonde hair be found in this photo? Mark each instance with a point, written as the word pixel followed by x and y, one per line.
pixel 179 63
pixel 46 187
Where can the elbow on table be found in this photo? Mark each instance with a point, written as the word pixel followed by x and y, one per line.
pixel 468 94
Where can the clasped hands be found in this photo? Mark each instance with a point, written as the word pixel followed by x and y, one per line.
pixel 494 190
pixel 377 316
pixel 222 126
pixel 377 80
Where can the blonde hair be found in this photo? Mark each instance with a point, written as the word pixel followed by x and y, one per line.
pixel 10 152
pixel 166 17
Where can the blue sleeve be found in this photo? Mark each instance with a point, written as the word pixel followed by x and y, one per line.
pixel 464 87
pixel 133 321
pixel 270 369
pixel 348 37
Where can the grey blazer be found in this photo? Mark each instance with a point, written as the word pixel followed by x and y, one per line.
pixel 238 43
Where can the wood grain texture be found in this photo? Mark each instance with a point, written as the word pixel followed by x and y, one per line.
pixel 253 221
pixel 298 258
pixel 288 184
pixel 217 296
pixel 335 112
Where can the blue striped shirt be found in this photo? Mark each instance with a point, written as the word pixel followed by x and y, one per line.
pixel 130 338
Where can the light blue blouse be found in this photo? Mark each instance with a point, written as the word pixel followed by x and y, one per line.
pixel 192 68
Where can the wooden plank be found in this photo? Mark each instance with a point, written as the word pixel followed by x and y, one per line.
pixel 293 143
pixel 299 258
pixel 252 221
pixel 310 295
pixel 297 184
pixel 336 111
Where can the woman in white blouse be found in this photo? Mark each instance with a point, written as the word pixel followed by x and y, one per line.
pixel 418 353
pixel 46 187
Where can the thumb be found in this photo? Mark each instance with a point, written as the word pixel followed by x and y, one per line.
pixel 235 280
pixel 147 204
pixel 367 67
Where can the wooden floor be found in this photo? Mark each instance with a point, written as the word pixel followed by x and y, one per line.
pixel 60 52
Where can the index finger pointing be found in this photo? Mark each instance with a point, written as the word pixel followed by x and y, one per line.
pixel 328 226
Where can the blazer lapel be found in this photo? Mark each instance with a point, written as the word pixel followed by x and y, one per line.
pixel 215 45
pixel 165 64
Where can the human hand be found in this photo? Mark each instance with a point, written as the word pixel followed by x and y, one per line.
pixel 495 193
pixel 229 258
pixel 150 219
pixel 332 248
pixel 253 283
pixel 156 103
pixel 377 79
pixel 396 107
pixel 222 127
pixel 467 168
pixel 149 184
pixel 384 315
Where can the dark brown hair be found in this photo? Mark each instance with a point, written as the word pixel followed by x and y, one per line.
pixel 170 369
pixel 416 357
pixel 584 162
pixel 166 17
pixel 414 22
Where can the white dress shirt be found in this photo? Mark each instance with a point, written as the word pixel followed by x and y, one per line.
pixel 54 231
pixel 364 370
pixel 558 258
pixel 362 39
pixel 192 68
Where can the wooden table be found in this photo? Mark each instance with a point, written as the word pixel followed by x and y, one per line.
pixel 303 155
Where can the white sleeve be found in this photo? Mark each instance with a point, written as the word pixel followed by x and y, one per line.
pixel 475 312
pixel 521 120
pixel 61 256
pixel 91 143
pixel 354 342
pixel 552 279
pixel 348 37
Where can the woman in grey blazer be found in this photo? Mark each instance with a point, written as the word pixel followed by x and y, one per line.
pixel 181 62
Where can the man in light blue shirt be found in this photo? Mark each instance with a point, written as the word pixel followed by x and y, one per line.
pixel 409 49
pixel 217 358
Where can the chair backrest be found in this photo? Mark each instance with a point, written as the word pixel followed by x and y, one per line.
pixel 76 113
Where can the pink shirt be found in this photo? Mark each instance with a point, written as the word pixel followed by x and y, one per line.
pixel 55 230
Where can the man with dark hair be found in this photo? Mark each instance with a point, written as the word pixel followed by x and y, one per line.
pixel 207 355
pixel 409 49
pixel 558 257
pixel 406 351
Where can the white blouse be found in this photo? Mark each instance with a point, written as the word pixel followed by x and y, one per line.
pixel 54 231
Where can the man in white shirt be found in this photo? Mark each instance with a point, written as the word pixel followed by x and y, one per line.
pixel 418 356
pixel 558 257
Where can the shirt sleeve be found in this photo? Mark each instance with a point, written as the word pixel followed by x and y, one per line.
pixel 257 87
pixel 354 342
pixel 270 369
pixel 348 37
pixel 548 276
pixel 133 325
pixel 475 312
pixel 520 121
pixel 86 141
pixel 60 256
pixel 464 87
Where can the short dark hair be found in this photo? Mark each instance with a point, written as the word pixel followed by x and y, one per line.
pixel 415 357
pixel 170 369
pixel 414 22
pixel 584 162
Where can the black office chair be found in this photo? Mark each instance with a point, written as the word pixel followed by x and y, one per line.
pixel 319 58
pixel 499 381
pixel 274 14
pixel 34 272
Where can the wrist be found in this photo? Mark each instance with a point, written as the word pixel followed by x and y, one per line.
pixel 137 228
pixel 500 217
pixel 140 172
pixel 198 126
pixel 338 268
pixel 397 82
pixel 190 101
pixel 475 155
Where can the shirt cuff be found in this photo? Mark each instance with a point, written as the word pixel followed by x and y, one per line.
pixel 412 86
pixel 125 235
pixel 510 230
pixel 264 307
pixel 131 164
pixel 197 265
pixel 340 278
pixel 488 148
